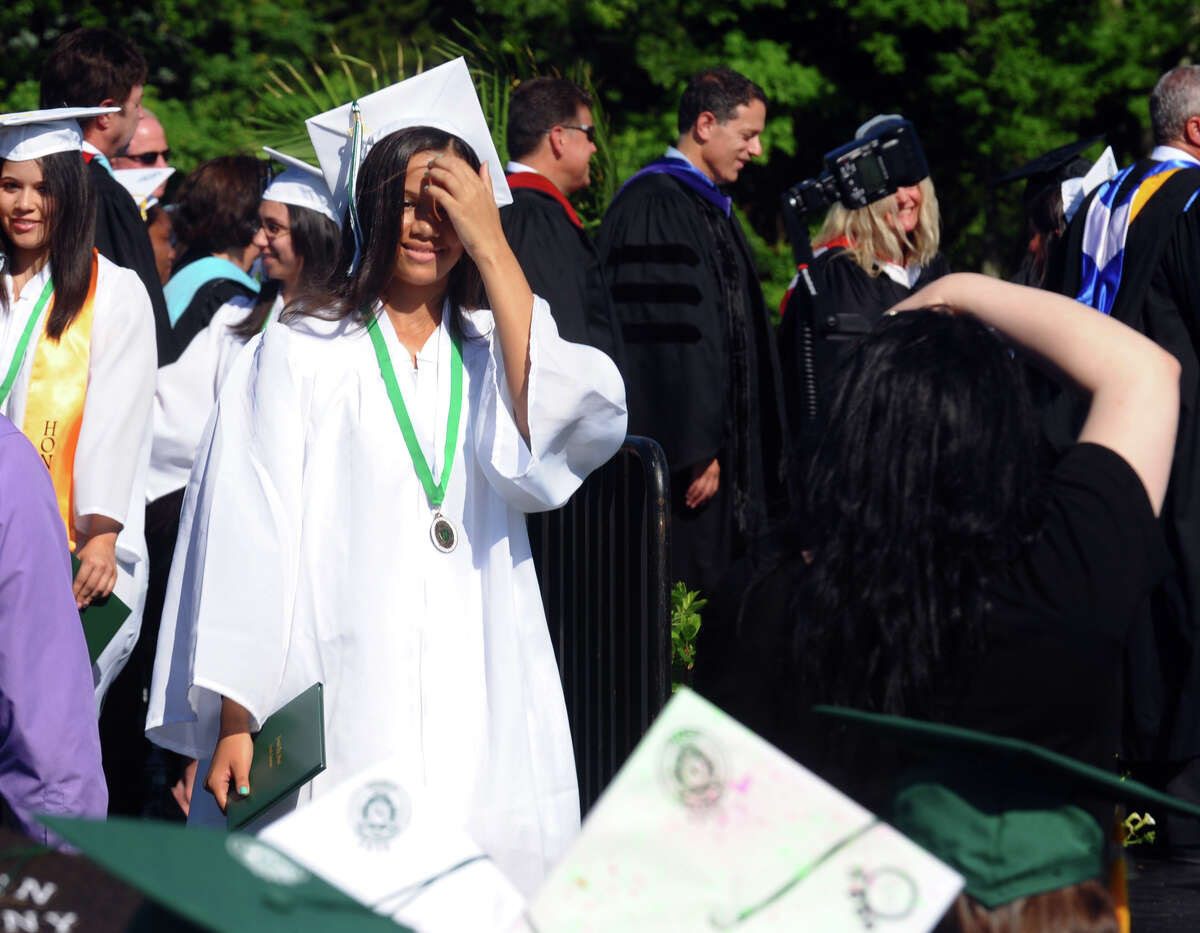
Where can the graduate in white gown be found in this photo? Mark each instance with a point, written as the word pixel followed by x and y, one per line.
pixel 297 241
pixel 77 361
pixel 357 516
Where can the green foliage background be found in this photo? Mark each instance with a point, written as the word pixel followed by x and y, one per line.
pixel 988 83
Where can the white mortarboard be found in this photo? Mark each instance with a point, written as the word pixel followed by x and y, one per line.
pixel 32 134
pixel 387 841
pixel 442 97
pixel 141 183
pixel 301 184
pixel 707 826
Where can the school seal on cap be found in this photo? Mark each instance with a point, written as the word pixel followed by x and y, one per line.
pixel 380 812
pixel 693 769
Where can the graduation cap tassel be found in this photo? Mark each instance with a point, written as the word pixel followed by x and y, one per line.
pixel 352 183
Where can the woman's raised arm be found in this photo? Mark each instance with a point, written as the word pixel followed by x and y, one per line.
pixel 1134 383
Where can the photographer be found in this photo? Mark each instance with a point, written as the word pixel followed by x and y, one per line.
pixel 864 260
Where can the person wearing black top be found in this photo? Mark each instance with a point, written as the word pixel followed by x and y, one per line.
pixel 864 261
pixel 699 360
pixel 100 68
pixel 215 218
pixel 550 143
pixel 946 574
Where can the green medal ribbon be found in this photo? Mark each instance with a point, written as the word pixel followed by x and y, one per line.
pixel 434 493
pixel 15 366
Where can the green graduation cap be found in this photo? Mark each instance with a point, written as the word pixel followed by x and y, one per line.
pixel 1004 812
pixel 219 881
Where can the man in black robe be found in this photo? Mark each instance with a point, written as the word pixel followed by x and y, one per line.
pixel 699 360
pixel 100 68
pixel 1143 272
pixel 550 143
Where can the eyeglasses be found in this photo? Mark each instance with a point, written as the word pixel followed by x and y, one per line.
pixel 589 131
pixel 149 158
pixel 273 230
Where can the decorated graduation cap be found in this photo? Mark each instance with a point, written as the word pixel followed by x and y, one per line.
pixel 219 881
pixel 443 98
pixel 301 184
pixel 708 827
pixel 33 134
pixel 1005 813
pixel 141 183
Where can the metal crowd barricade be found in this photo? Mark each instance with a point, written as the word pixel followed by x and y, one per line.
pixel 602 564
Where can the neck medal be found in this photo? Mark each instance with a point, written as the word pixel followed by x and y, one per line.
pixel 442 532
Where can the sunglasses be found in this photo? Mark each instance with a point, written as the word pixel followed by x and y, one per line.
pixel 589 131
pixel 149 158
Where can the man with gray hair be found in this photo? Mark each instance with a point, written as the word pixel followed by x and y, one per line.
pixel 1132 252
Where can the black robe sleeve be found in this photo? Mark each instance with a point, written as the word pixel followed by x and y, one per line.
pixel 657 258
pixel 122 238
pixel 562 266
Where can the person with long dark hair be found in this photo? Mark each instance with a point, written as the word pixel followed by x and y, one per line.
pixel 77 361
pixel 358 517
pixel 947 574
pixel 298 240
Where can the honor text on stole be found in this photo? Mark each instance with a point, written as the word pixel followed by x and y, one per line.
pixel 47 443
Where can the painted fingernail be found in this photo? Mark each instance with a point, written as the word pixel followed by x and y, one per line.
pixel 244 790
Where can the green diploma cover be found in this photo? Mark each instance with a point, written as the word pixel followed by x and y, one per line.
pixel 289 751
pixel 101 619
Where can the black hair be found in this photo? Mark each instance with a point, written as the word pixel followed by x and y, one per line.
pixel 717 90
pixel 380 188
pixel 216 208
pixel 69 212
pixel 536 107
pixel 315 243
pixel 928 478
pixel 90 65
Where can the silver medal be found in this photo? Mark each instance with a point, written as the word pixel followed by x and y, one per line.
pixel 443 533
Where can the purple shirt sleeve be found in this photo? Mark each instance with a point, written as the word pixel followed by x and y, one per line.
pixel 49 742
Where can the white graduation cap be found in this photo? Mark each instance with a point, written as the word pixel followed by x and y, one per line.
pixel 32 134
pixel 442 97
pixel 141 183
pixel 301 184
pixel 707 826
pixel 390 844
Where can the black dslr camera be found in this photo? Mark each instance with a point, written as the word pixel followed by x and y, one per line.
pixel 863 171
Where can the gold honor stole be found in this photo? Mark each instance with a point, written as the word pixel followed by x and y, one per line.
pixel 54 403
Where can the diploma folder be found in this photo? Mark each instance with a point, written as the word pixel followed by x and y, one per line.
pixel 289 751
pixel 101 619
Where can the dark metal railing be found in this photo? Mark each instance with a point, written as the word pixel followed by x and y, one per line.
pixel 602 564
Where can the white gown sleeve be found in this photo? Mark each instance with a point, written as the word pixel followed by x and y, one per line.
pixel 187 390
pixel 226 623
pixel 577 419
pixel 120 396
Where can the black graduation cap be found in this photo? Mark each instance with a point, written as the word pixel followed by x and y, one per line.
pixel 1051 168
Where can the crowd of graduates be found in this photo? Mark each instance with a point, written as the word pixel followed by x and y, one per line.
pixel 285 428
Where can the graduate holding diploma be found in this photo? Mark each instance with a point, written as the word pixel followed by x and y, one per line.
pixel 77 361
pixel 356 515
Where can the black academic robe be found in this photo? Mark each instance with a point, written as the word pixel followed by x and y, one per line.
pixel 815 335
pixel 121 237
pixel 1159 296
pixel 700 366
pixel 200 310
pixel 562 266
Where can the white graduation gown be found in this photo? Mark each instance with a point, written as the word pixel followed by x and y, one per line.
pixel 113 451
pixel 304 555
pixel 187 391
